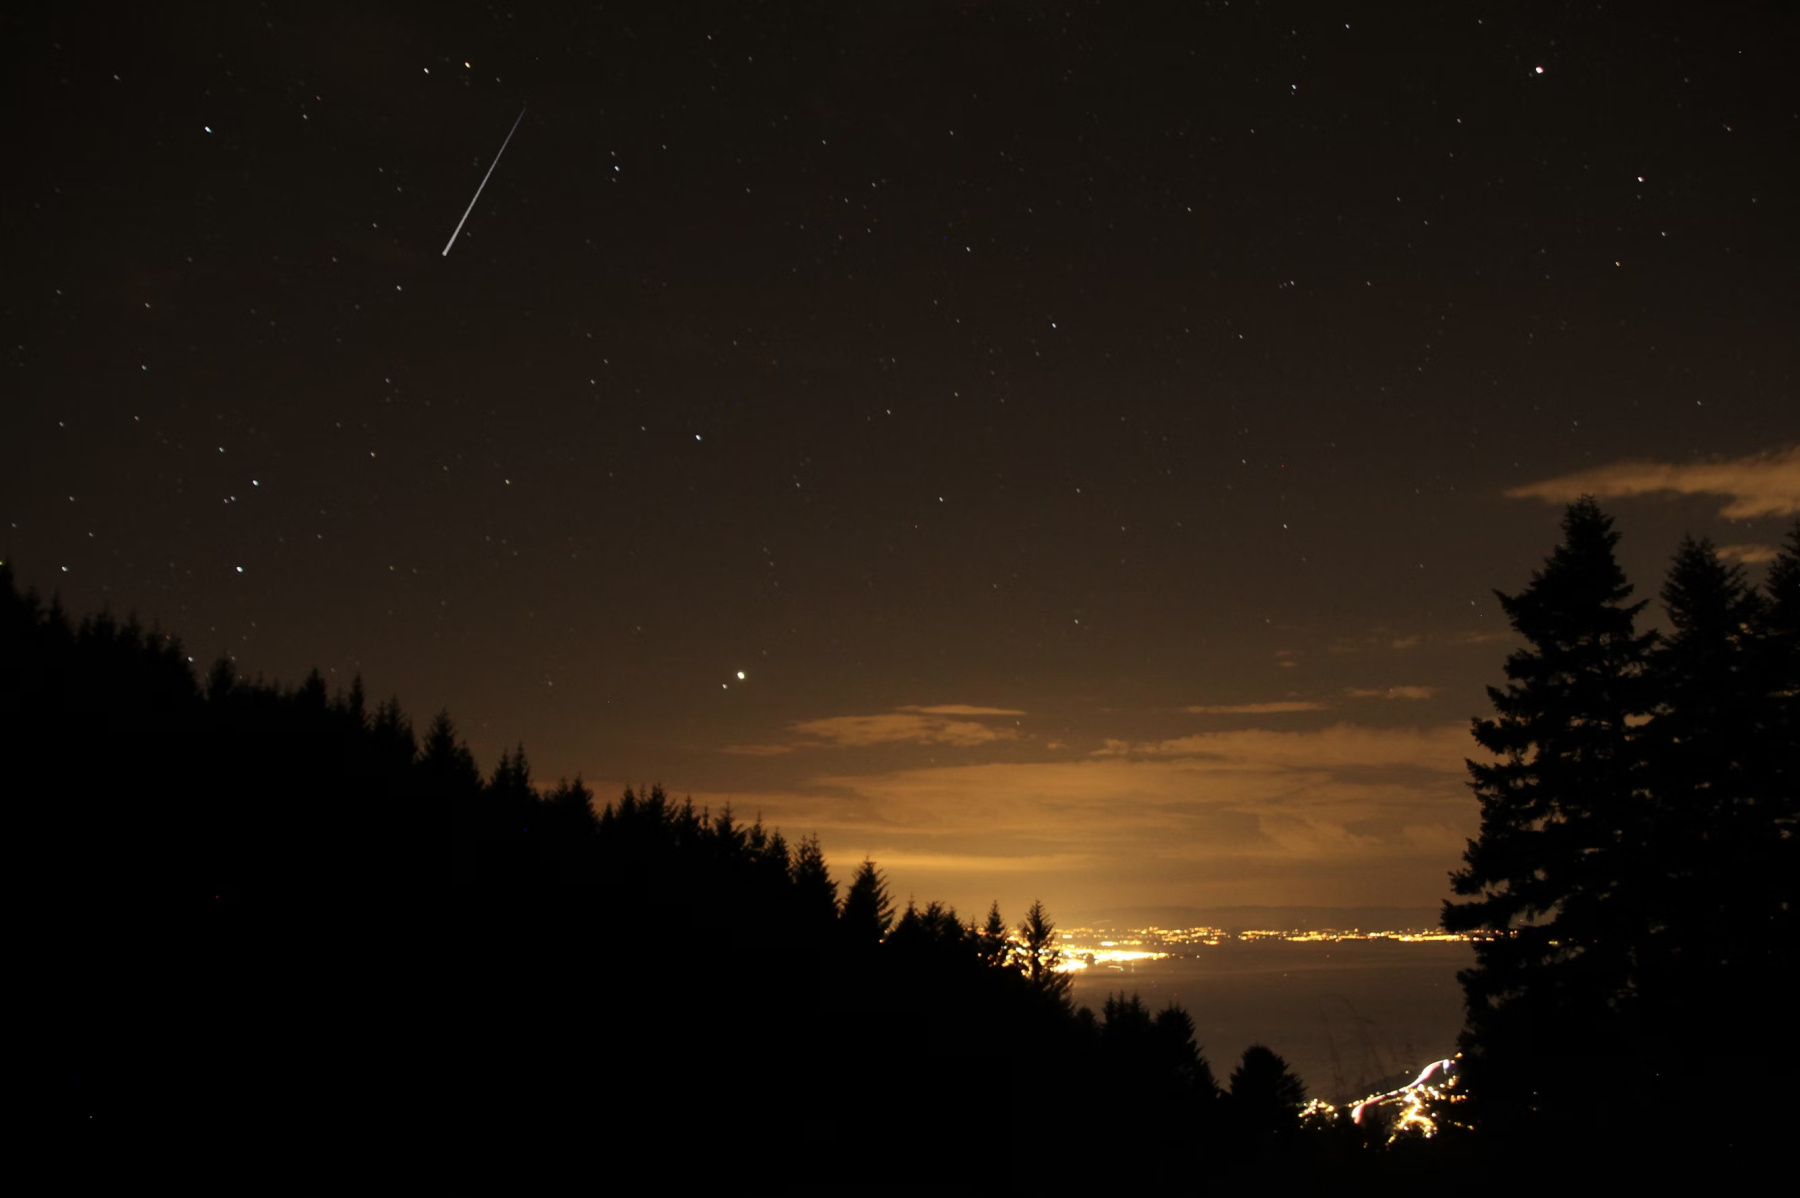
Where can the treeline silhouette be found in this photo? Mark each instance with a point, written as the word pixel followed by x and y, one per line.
pixel 266 928
pixel 273 925
pixel 1637 861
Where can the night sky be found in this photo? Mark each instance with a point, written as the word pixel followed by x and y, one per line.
pixel 1094 431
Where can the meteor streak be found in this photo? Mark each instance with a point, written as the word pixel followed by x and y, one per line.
pixel 484 179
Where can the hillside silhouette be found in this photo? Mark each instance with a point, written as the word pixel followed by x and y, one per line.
pixel 268 923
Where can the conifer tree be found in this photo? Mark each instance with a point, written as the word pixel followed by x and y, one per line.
pixel 393 734
pixel 1553 874
pixel 1041 955
pixel 1709 843
pixel 729 837
pixel 815 892
pixel 1126 1023
pixel 1779 634
pixel 771 859
pixel 868 912
pixel 573 803
pixel 355 704
pixel 1778 766
pixel 221 680
pixel 1266 1096
pixel 1174 1036
pixel 570 830
pixel 511 790
pixel 992 941
pixel 444 759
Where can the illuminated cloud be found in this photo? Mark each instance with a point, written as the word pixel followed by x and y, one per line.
pixel 980 863
pixel 1276 708
pixel 1750 555
pixel 759 750
pixel 1248 815
pixel 1343 814
pixel 897 727
pixel 1766 484
pixel 1339 746
pixel 1392 692
pixel 904 725
pixel 1380 641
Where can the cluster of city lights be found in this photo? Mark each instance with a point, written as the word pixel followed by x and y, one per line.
pixel 1104 956
pixel 1149 944
pixel 1416 1109
pixel 1153 938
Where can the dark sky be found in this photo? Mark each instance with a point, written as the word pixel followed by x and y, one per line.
pixel 1095 431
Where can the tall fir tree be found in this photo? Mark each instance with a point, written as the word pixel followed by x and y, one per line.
pixel 815 893
pixel 1041 955
pixel 1779 634
pixel 992 941
pixel 868 912
pixel 1708 844
pixel 1778 768
pixel 1265 1096
pixel 1553 876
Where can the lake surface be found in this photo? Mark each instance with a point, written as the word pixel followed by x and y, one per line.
pixel 1345 1014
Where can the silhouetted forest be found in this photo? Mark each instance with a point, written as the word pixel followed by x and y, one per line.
pixel 262 916
pixel 1637 860
pixel 268 927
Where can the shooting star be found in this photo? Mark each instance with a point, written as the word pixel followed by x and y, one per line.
pixel 484 179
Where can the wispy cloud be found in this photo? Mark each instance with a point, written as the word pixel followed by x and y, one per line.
pixel 981 863
pixel 1276 708
pixel 1765 484
pixel 1749 554
pixel 1392 692
pixel 943 724
pixel 896 727
pixel 1339 746
pixel 1382 640
pixel 759 750
pixel 1245 815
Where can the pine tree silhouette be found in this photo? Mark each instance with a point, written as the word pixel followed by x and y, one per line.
pixel 993 943
pixel 868 912
pixel 815 894
pixel 1555 872
pixel 1041 955
pixel 1712 843
pixel 1266 1097
pixel 1779 635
